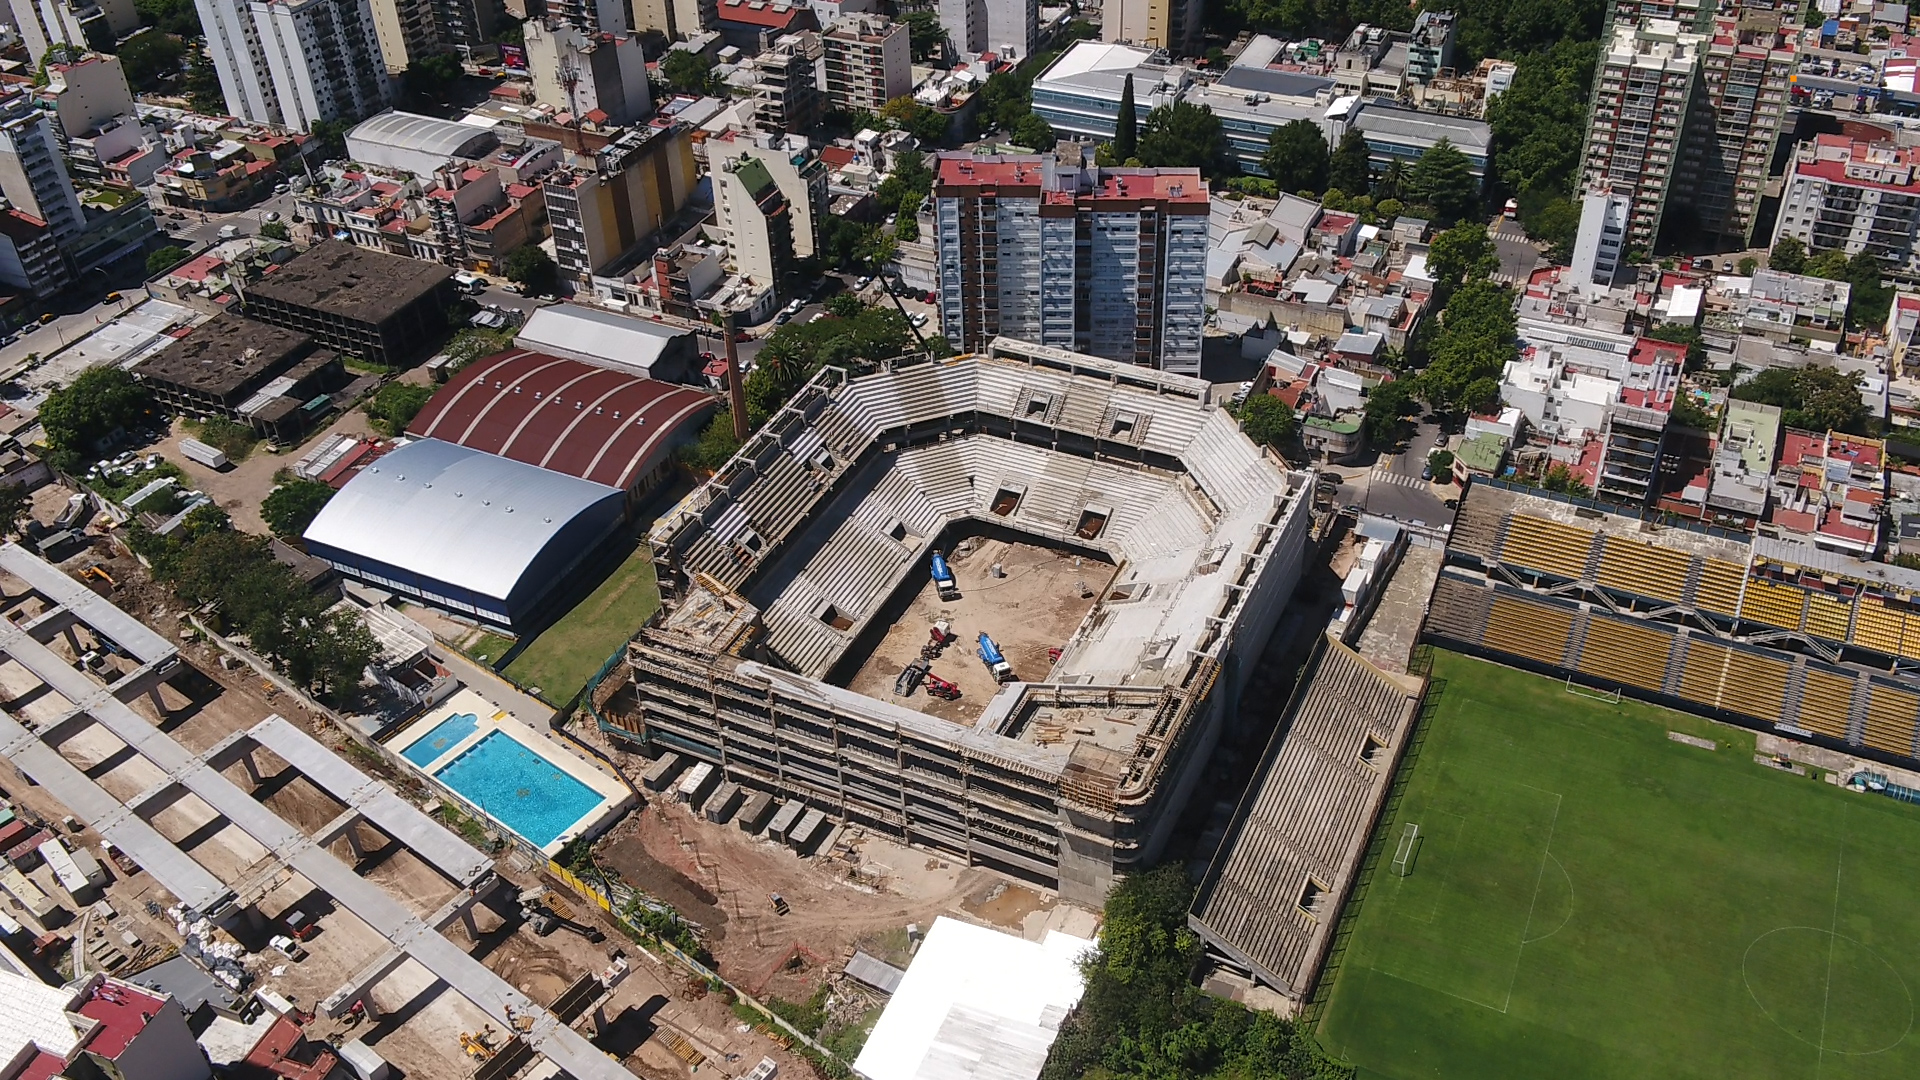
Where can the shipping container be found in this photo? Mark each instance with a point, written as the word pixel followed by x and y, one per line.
pixel 811 827
pixel 662 772
pixel 195 450
pixel 722 801
pixel 696 784
pixel 31 896
pixel 60 861
pixel 754 812
pixel 785 818
pixel 90 867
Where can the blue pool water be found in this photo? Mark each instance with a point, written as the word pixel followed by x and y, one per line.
pixel 442 738
pixel 518 788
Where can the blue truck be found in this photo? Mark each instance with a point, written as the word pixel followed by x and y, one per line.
pixel 943 578
pixel 996 663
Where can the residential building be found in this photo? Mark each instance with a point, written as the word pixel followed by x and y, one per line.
pixel 617 196
pixel 1174 25
pixel 1430 46
pixel 468 26
pixel 799 171
pixel 869 62
pixel 1830 490
pixel 33 178
pixel 786 84
pixel 675 20
pixel 1903 331
pixel 228 176
pixel 759 221
pixel 1601 397
pixel 294 63
pixel 1372 61
pixel 361 209
pixel 82 24
pixel 752 25
pixel 1644 97
pixel 124 153
pixel 407 30
pixel 97 1026
pixel 1851 196
pixel 1748 64
pixel 1743 461
pixel 87 92
pixel 1010 29
pixel 474 220
pixel 30 259
pixel 1110 262
pixel 599 77
pixel 595 16
pixel 382 308
pixel 1600 247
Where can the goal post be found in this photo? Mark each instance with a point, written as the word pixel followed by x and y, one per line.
pixel 1611 697
pixel 1403 854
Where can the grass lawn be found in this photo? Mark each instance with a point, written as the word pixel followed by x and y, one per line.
pixel 566 654
pixel 1592 899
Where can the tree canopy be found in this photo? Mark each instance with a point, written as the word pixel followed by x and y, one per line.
pixel 530 267
pixel 1184 135
pixel 688 71
pixel 1789 256
pixel 1462 252
pixel 1349 167
pixel 151 59
pixel 1443 179
pixel 291 507
pixel 162 259
pixel 395 406
pixel 928 38
pixel 99 403
pixel 1267 419
pixel 794 352
pixel 1812 398
pixel 1126 124
pixel 1476 339
pixel 1871 296
pixel 1296 159
pixel 1141 1018
pixel 1540 123
pixel 1032 132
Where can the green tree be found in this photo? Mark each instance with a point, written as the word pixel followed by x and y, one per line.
pixel 687 71
pixel 1033 133
pixel 1392 181
pixel 713 447
pixel 1789 256
pixel 100 403
pixel 531 268
pixel 928 38
pixel 1443 179
pixel 473 343
pixel 1475 340
pixel 1561 479
pixel 428 78
pixel 16 508
pixel 1553 221
pixel 289 508
pixel 1689 336
pixel 1296 159
pixel 1266 419
pixel 1387 405
pixel 1126 124
pixel 1350 168
pixel 1184 135
pixel 395 406
pixel 1539 124
pixel 845 305
pixel 276 230
pixel 1811 398
pixel 203 83
pixel 1462 252
pixel 161 260
pixel 151 59
pixel 176 17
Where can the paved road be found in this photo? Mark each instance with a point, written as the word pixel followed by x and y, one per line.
pixel 1393 487
pixel 197 231
pixel 1518 255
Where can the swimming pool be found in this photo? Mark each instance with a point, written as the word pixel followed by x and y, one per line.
pixel 516 786
pixel 441 739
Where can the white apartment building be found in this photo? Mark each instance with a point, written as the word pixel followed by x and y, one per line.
pixel 1643 97
pixel 869 62
pixel 83 24
pixel 297 62
pixel 87 93
pixel 33 178
pixel 1600 247
pixel 799 172
pixel 1844 195
pixel 582 73
pixel 1104 261
pixel 1009 28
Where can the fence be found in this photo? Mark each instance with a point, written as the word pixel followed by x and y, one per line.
pixel 609 900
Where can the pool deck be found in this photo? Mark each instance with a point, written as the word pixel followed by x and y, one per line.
pixel 615 797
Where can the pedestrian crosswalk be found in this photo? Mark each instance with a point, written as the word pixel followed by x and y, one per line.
pixel 1382 476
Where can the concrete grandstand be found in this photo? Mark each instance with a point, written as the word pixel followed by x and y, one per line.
pixel 783 573
pixel 1742 627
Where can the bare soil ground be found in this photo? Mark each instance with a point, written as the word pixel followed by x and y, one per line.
pixel 1043 598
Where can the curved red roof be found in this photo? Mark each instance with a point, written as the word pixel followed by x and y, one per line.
pixel 610 427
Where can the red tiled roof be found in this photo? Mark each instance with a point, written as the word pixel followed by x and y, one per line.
pixel 760 13
pixel 606 426
pixel 43 1066
pixel 198 269
pixel 838 157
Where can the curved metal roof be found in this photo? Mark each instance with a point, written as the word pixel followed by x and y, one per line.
pixel 608 426
pixel 425 134
pixel 454 515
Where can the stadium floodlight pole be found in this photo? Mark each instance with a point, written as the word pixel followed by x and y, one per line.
pixel 736 386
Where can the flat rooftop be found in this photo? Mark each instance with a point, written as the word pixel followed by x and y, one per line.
pixel 353 282
pixel 225 356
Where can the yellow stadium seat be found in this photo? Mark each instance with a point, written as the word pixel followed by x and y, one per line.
pixel 1877 627
pixel 1626 653
pixel 1827 617
pixel 1774 605
pixel 1719 588
pixel 1890 720
pixel 1825 699
pixel 1634 567
pixel 1547 546
pixel 1535 631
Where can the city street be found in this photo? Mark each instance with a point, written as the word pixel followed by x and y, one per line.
pixel 1518 255
pixel 1392 487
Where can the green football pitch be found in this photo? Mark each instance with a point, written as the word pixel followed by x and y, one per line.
pixel 1589 898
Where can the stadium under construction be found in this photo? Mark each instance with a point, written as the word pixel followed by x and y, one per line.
pixel 1741 627
pixel 812 548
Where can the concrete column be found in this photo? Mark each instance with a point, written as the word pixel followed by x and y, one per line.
pixel 353 841
pixel 254 779
pixel 160 708
pixel 472 924
pixel 73 640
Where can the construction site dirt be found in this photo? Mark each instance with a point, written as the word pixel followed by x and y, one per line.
pixel 654 1021
pixel 1028 598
